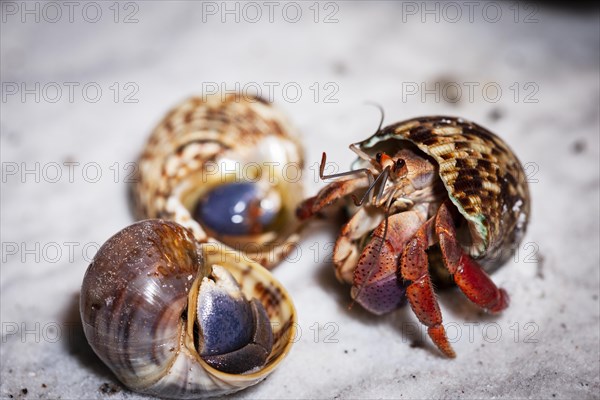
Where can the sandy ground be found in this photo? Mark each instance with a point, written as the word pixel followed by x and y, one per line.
pixel 80 98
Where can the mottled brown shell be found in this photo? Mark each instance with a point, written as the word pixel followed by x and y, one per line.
pixel 236 131
pixel 482 175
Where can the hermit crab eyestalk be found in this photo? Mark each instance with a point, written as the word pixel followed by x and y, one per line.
pixel 228 167
pixel 175 318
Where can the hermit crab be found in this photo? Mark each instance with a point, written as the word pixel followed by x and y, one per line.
pixel 228 167
pixel 433 190
pixel 175 318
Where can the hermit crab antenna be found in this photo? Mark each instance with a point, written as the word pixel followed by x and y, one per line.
pixel 355 147
pixel 381 111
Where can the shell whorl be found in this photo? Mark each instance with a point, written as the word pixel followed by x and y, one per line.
pixel 191 150
pixel 134 304
pixel 482 176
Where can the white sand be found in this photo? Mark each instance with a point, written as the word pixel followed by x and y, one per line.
pixel 547 344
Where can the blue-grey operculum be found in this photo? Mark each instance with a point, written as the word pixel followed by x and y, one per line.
pixel 235 334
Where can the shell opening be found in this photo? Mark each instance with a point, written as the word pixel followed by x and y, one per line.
pixel 240 208
pixel 252 214
pixel 231 333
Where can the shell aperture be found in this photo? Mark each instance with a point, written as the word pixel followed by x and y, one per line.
pixel 240 208
pixel 236 333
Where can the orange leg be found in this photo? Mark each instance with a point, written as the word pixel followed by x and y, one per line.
pixel 414 267
pixel 329 194
pixel 468 274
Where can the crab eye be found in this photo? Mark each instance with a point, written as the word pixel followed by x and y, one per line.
pixel 399 165
pixel 378 157
pixel 238 209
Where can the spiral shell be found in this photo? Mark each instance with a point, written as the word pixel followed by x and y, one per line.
pixel 205 146
pixel 481 174
pixel 142 310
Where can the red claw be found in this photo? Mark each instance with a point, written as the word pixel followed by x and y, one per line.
pixel 478 286
pixel 468 274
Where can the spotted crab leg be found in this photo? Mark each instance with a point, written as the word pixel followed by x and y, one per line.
pixel 376 283
pixel 414 267
pixel 468 274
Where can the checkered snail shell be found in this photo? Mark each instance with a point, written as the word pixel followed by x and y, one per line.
pixel 228 168
pixel 483 178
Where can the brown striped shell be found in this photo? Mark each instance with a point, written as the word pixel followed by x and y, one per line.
pixel 211 141
pixel 482 176
pixel 138 308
